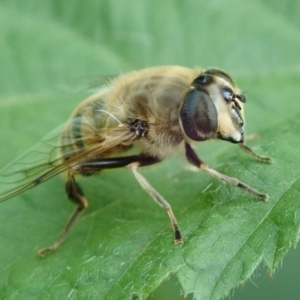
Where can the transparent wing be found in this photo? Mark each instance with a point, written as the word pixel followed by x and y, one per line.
pixel 56 153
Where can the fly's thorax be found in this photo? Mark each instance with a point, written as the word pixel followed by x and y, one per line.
pixel 149 92
pixel 160 143
pixel 159 110
pixel 153 96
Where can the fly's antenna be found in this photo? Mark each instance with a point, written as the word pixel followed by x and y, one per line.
pixel 111 115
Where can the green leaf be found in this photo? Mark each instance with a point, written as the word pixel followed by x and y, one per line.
pixel 122 247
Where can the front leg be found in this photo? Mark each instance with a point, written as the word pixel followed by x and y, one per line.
pixel 195 161
pixel 253 154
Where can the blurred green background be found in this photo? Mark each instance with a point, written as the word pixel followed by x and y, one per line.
pixel 54 50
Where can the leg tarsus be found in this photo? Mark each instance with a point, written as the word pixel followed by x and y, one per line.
pixel 178 238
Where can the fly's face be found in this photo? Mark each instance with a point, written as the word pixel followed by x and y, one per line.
pixel 229 106
pixel 213 108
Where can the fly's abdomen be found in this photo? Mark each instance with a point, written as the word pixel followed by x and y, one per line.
pixel 85 128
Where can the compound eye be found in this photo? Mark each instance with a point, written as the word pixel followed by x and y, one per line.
pixel 198 116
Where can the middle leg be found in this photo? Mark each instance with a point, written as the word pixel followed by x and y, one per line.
pixel 156 197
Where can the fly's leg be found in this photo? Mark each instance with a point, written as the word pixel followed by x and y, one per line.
pixel 253 154
pixel 157 198
pixel 75 195
pixel 134 162
pixel 194 160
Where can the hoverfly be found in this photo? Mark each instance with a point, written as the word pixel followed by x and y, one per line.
pixel 154 110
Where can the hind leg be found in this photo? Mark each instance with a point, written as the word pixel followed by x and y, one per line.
pixel 75 194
